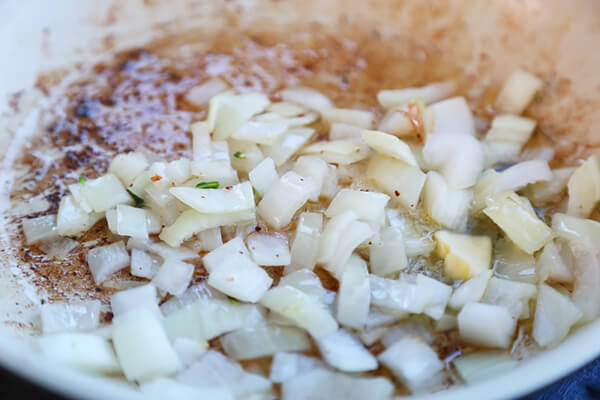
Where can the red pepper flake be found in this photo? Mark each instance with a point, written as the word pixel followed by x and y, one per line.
pixel 397 193
pixel 228 187
pixel 156 178
pixel 415 117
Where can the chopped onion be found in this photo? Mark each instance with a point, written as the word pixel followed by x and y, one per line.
pixel 411 327
pixel 512 263
pixel 515 216
pixel 514 296
pixel 262 341
pixel 360 118
pixel 396 122
pixel 71 219
pixel 305 246
pixel 232 199
pixel 500 152
pixel 169 389
pixel 306 97
pixel 584 188
pixel 447 206
pixel 471 290
pixel 465 256
pixel 58 248
pixel 389 255
pixel 284 198
pixel 228 112
pixel 83 351
pixel 104 193
pixel 263 176
pixel 201 94
pixel 162 250
pixel 555 314
pixel 128 221
pixel 414 363
pixel 261 132
pixel 354 294
pixel 511 128
pixel 343 351
pixel 446 323
pixel 174 277
pixel 75 189
pixel 306 281
pixel 306 311
pixel 312 168
pixel 517 92
pixel 141 297
pixel 189 350
pixel 396 295
pixel 453 117
pixel 368 206
pixel 554 264
pixel 269 249
pixel 369 336
pixel 587 281
pixel 70 317
pixel 142 346
pixel 286 109
pixel 208 240
pixel 486 325
pixel 178 171
pixel 106 260
pixel 438 295
pixel 288 365
pixel 543 193
pixel 244 155
pixel 339 131
pixel 481 365
pixel 284 148
pixel 398 180
pixel 128 166
pixel 330 182
pixel 429 93
pixel 143 265
pixel 390 146
pixel 584 232
pixel 39 228
pixel 340 152
pixel 323 384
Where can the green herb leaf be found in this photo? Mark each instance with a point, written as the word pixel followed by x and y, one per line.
pixel 82 179
pixel 138 200
pixel 256 194
pixel 208 185
pixel 239 154
pixel 234 302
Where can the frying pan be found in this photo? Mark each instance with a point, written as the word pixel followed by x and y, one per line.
pixel 488 38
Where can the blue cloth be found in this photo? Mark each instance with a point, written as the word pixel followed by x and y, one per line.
pixel 584 384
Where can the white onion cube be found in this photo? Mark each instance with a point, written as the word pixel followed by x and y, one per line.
pixel 106 260
pixel 70 317
pixel 354 295
pixel 368 206
pixel 174 276
pixel 262 341
pixel 268 249
pixel 305 246
pixel 105 192
pixel 486 325
pixel 343 351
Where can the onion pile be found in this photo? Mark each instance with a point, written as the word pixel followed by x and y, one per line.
pixel 387 207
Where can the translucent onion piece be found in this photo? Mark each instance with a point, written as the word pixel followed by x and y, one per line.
pixel 584 188
pixel 340 152
pixel 169 389
pixel 263 340
pixel 228 112
pixel 128 166
pixel 354 295
pixel 481 365
pixel 284 148
pixel 315 169
pixel 555 314
pixel 343 351
pixel 305 246
pixel 287 365
pixel 306 97
pixel 105 260
pixel 465 256
pixel 263 176
pixel 244 155
pixel 104 193
pixel 390 146
pixel 141 297
pixel 143 264
pixel 400 181
pixel 429 93
pixel 339 131
pixel 514 296
pixel 486 325
pixel 511 128
pixel 453 116
pixel 471 290
pixel 201 94
pixel 368 206
pixel 70 317
pixel 262 132
pixel 388 255
pixel 39 228
pixel 174 277
pixel 71 218
pixel 554 264
pixel 363 119
pixel 230 199
pixel 517 92
pixel 268 249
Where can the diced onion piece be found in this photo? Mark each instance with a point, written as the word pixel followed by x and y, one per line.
pixel 162 250
pixel 206 319
pixel 211 158
pixel 354 295
pixel 429 93
pixel 312 168
pixel 343 351
pixel 105 192
pixel 232 199
pixel 236 274
pixel 453 116
pixel 587 281
pixel 390 146
pixel 174 276
pixel 58 248
pixel 581 231
pixel 75 189
pixel 209 239
pixel 141 297
pixel 84 351
pixel 169 389
pixel 370 336
pixel 389 254
pixel 414 363
pixel 142 346
pixel 284 198
pixel 398 180
pixel 106 260
pixel 517 92
pixel 306 311
pixel 306 97
pixel 465 256
pixel 339 131
pixel 323 384
pixel 330 182
pixel 140 183
pixel 360 118
pixel 263 176
pixel 287 145
pixel 305 246
pixel 543 193
pixel 584 188
pixel 286 109
pixel 471 290
pixel 413 327
pixel 244 155
pixel 438 295
pixel 368 206
pixel 287 365
pixel 215 371
pixel 446 206
pixel 228 112
pixel 131 221
pixel 268 249
pixel 71 218
pixel 481 365
pixel 500 152
pixel 340 152
pixel 39 228
pixel 143 265
pixel 397 123
pixel 514 296
pixel 70 317
pixel 512 263
pixel 201 94
pixel 306 281
pixel 425 295
pixel 128 166
pixel 555 314
pixel 302 120
pixel 552 264
pixel 459 158
pixel 189 350
pixel 262 132
pixel 262 341
pixel 446 323
pixel 486 325
pixel 191 222
pixel 515 216
pixel 511 128
pixel 179 171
